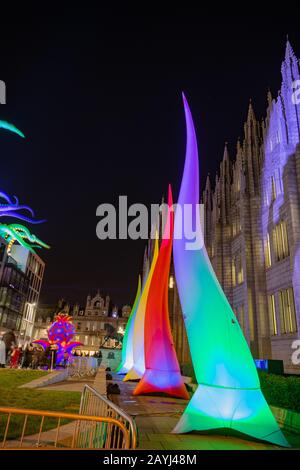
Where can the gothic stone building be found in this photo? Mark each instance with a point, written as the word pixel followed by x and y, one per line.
pixel 93 324
pixel 252 229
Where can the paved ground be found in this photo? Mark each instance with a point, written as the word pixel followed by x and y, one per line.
pixel 69 385
pixel 157 416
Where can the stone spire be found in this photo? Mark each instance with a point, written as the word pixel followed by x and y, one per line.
pixel 208 205
pixel 251 127
pixel 225 184
pixel 239 152
pixel 289 52
pixel 207 184
pixel 251 150
pixel 207 194
pixel 251 114
pixel 290 73
pixel 269 97
pixel 226 155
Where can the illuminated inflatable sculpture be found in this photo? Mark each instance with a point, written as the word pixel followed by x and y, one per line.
pixel 11 208
pixel 60 332
pixel 228 393
pixel 162 374
pixel 19 233
pixel 137 370
pixel 127 346
pixel 10 127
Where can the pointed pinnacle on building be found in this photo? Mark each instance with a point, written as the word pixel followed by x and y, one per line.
pixel 207 184
pixel 289 52
pixel 225 154
pixel 251 114
pixel 269 96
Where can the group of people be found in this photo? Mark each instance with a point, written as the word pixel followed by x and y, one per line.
pixel 10 353
pixel 33 357
pixel 97 354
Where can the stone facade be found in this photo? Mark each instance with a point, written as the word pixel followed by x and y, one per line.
pixel 94 324
pixel 252 224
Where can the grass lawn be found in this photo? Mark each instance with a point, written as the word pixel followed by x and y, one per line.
pixel 12 396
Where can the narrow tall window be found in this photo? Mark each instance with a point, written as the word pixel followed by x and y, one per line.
pixel 234 230
pixel 233 270
pixel 238 184
pixel 241 317
pixel 280 241
pixel 251 316
pixel 239 269
pixel 285 243
pixel 277 137
pixel 268 257
pixel 274 192
pixel 272 315
pixel 288 320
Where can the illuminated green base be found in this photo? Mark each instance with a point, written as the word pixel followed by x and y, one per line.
pixel 133 374
pixel 243 410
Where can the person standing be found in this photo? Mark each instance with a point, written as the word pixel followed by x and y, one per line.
pixel 27 359
pixel 9 339
pixel 53 356
pixel 15 357
pixel 2 353
pixel 65 359
pixel 35 358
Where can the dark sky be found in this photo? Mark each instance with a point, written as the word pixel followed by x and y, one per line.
pixel 98 94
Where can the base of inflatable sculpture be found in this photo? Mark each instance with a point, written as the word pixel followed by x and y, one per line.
pixel 159 381
pixel 122 370
pixel 242 410
pixel 133 374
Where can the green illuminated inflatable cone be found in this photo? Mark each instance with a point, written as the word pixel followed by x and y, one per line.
pixel 127 347
pixel 228 394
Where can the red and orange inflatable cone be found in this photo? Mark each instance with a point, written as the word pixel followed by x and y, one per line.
pixel 162 374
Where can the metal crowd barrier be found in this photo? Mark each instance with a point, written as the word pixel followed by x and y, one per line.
pixel 82 431
pixel 92 403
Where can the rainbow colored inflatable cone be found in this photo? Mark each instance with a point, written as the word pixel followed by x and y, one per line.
pixel 138 368
pixel 162 374
pixel 127 346
pixel 228 394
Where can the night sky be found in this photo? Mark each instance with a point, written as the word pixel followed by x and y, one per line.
pixel 97 93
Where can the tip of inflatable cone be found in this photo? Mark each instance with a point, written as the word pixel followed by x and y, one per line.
pixel 170 196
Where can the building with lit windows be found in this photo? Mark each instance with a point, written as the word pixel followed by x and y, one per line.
pixel 33 267
pixel 14 285
pixel 96 326
pixel 252 224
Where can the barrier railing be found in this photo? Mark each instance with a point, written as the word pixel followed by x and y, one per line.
pixel 92 403
pixel 81 432
pixel 83 366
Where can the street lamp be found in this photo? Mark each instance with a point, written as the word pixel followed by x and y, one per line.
pixel 121 331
